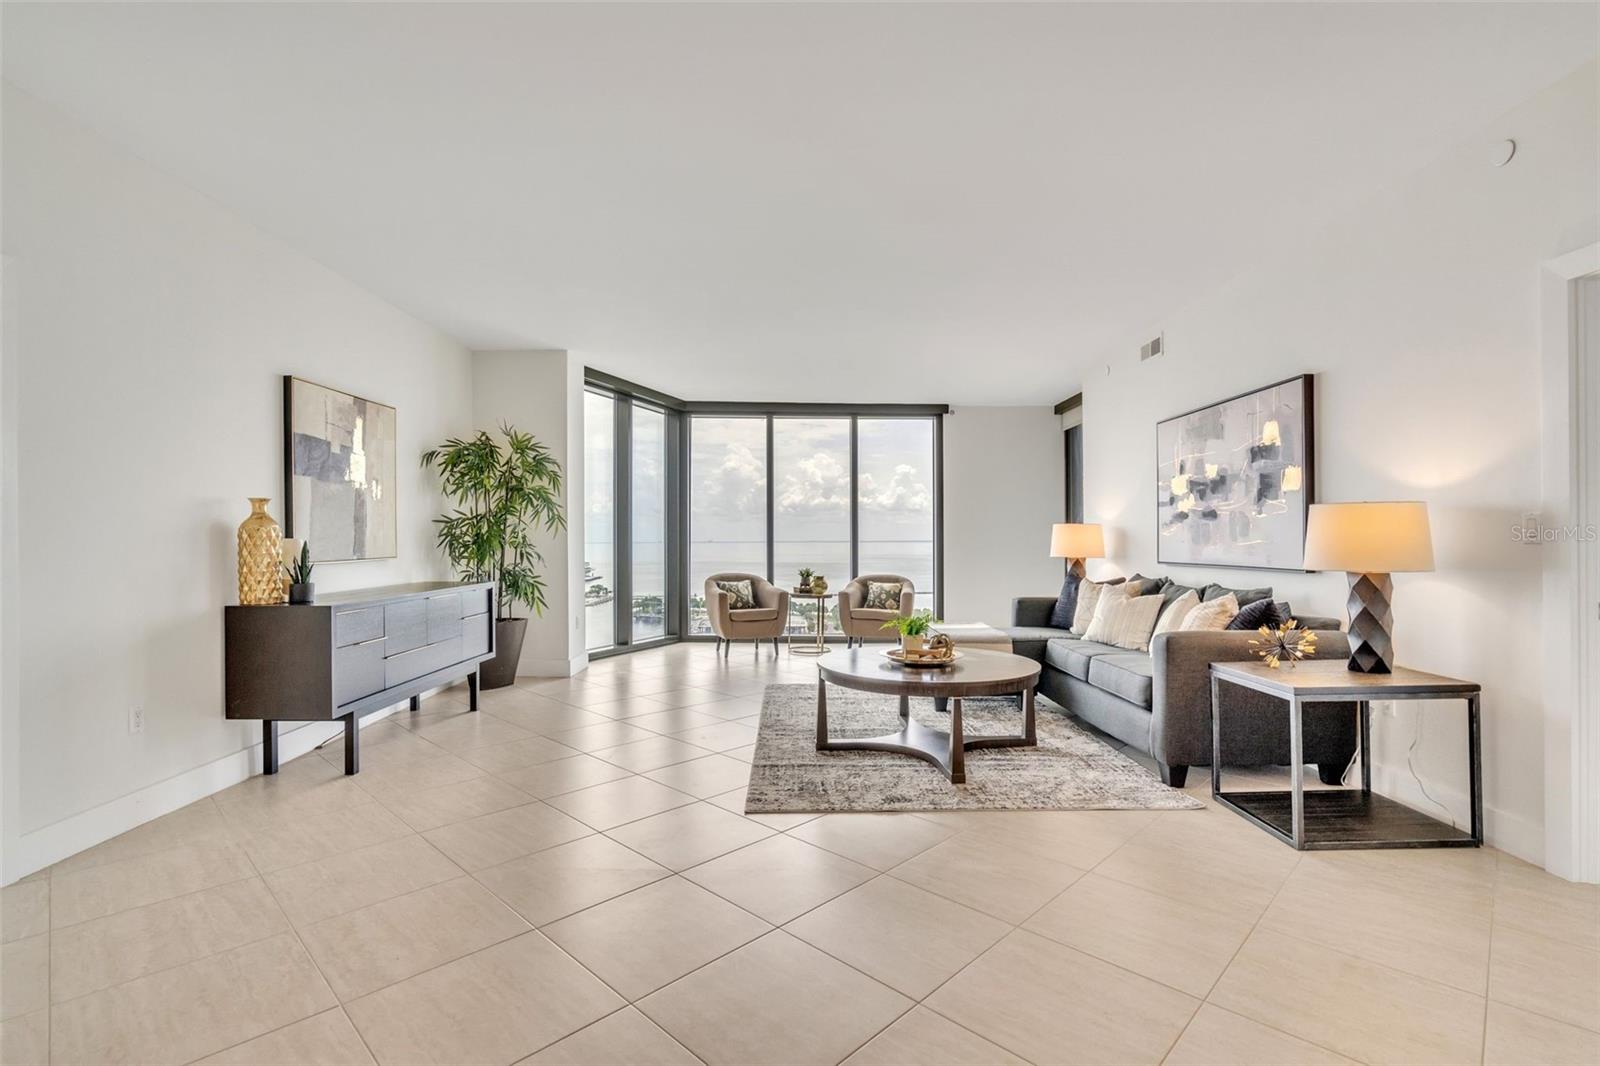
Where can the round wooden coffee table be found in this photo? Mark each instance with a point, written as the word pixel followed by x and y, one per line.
pixel 975 673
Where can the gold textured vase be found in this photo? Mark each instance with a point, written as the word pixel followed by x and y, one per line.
pixel 260 556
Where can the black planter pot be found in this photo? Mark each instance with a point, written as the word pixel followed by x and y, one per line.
pixel 302 593
pixel 502 669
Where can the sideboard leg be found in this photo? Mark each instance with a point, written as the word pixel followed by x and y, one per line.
pixel 472 691
pixel 269 747
pixel 352 745
pixel 416 703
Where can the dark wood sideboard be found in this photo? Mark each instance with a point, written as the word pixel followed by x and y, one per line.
pixel 353 653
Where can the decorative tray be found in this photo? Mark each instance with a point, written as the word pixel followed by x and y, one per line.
pixel 924 661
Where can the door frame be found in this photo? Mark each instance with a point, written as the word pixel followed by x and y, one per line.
pixel 1571 703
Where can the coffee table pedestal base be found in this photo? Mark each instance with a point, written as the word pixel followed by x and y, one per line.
pixel 946 750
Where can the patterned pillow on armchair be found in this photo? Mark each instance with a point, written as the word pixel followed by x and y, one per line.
pixel 741 596
pixel 883 596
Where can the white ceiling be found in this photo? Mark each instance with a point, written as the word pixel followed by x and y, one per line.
pixel 969 204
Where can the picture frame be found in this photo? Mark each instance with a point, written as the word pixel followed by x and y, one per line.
pixel 340 460
pixel 1246 468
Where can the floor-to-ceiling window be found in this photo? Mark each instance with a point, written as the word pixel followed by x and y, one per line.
pixel 648 513
pixel 599 519
pixel 846 494
pixel 811 510
pixel 676 491
pixel 895 488
pixel 727 505
pixel 630 514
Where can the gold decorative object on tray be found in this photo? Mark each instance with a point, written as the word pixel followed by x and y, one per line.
pixel 1287 643
pixel 924 658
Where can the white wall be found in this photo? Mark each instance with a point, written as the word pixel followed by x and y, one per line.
pixel 1003 488
pixel 143 369
pixel 541 392
pixel 1420 317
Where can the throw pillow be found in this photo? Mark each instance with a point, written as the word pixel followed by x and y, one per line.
pixel 1176 611
pixel 883 596
pixel 1066 603
pixel 1089 593
pixel 1174 590
pixel 1146 586
pixel 1123 619
pixel 1211 615
pixel 1258 614
pixel 741 597
pixel 1241 596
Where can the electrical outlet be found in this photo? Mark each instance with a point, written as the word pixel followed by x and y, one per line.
pixel 136 719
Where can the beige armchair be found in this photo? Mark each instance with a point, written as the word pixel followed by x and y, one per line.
pixel 860 622
pixel 764 621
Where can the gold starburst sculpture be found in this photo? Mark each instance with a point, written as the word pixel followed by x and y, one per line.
pixel 1287 643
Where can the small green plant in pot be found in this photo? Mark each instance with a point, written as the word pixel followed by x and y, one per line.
pixel 507 491
pixel 298 571
pixel 805 576
pixel 913 629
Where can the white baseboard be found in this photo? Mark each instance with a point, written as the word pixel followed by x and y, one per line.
pixel 1511 833
pixel 49 845
pixel 531 667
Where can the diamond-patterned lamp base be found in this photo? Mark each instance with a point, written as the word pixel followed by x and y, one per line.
pixel 1371 619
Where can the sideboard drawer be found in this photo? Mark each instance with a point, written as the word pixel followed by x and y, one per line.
pixel 398 669
pixel 355 627
pixel 444 617
pixel 358 670
pixel 475 601
pixel 405 624
pixel 475 635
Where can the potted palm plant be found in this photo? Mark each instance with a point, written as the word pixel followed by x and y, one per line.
pixel 507 491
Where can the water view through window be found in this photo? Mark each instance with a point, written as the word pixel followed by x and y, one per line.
pixel 812 487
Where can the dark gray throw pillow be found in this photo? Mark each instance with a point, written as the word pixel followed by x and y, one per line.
pixel 1147 586
pixel 1173 591
pixel 1257 614
pixel 1066 604
pixel 1244 596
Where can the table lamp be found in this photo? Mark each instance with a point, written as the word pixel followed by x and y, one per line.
pixel 1076 542
pixel 1370 541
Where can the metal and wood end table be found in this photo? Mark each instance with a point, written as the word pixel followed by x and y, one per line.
pixel 1345 818
pixel 975 673
pixel 820 647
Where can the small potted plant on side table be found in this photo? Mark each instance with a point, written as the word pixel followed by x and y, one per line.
pixel 913 630
pixel 805 579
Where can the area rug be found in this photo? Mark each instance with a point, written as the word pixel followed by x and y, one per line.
pixel 1070 770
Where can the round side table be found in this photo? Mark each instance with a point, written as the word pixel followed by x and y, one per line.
pixel 807 646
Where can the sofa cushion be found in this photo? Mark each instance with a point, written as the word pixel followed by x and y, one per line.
pixel 754 614
pixel 1241 596
pixel 1066 603
pixel 1125 674
pixel 1073 656
pixel 1173 591
pixel 1029 641
pixel 883 595
pixel 1258 614
pixel 872 614
pixel 741 596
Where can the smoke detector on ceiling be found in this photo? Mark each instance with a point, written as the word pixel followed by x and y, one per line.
pixel 1152 348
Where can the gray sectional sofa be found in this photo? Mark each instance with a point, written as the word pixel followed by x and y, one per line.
pixel 1160 701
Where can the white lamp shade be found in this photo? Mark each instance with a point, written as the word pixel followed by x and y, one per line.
pixel 1369 538
pixel 1073 540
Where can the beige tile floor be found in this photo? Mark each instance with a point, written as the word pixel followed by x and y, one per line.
pixel 568 876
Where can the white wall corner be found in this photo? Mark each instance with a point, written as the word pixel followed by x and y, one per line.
pixel 540 391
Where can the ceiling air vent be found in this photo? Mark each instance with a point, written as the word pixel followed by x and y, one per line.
pixel 1151 349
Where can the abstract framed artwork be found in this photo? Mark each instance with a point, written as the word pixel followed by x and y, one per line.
pixel 1234 480
pixel 339 454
